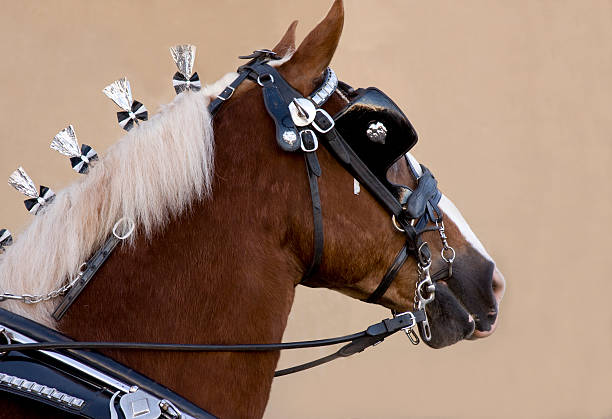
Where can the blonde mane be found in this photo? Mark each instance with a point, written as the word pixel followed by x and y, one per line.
pixel 154 172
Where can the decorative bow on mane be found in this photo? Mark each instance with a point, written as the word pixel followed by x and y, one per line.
pixel 120 92
pixel 67 144
pixel 184 56
pixel 22 182
pixel 126 119
pixel 181 83
pixel 6 239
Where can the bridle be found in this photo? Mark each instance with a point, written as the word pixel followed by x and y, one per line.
pixel 301 125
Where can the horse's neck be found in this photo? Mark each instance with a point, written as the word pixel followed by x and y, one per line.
pixel 218 274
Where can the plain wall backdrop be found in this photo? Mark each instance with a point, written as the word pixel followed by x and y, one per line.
pixel 511 100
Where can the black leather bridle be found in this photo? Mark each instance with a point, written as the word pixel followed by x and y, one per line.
pixel 411 213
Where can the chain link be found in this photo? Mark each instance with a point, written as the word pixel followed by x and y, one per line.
pixel 38 298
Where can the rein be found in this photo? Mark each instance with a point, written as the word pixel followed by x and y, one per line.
pixel 308 123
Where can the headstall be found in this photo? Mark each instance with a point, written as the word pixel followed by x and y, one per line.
pixel 367 137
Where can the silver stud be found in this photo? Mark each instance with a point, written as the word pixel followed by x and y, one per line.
pixel 377 132
pixel 289 137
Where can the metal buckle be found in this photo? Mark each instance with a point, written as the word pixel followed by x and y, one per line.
pixel 270 78
pixel 331 121
pixel 231 92
pixel 314 139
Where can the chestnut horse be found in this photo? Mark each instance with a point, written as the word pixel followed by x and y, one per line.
pixel 217 253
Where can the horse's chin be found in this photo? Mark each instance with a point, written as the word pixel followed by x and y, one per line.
pixel 449 321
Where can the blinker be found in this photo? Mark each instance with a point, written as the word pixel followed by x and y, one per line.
pixel 378 132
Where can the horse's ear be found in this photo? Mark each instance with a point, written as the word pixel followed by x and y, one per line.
pixel 315 52
pixel 286 45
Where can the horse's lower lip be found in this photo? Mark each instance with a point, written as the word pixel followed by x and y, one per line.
pixel 474 334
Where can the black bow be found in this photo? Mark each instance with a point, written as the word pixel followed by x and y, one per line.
pixel 81 164
pixel 181 83
pixel 127 119
pixel 6 239
pixel 34 205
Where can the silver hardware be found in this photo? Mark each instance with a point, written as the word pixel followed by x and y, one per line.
pixel 170 409
pixel 331 121
pixel 268 78
pixel 17 337
pixel 356 187
pixel 125 233
pixel 302 111
pixel 314 139
pixel 232 90
pixel 289 137
pixel 447 253
pixel 107 380
pixel 127 227
pixel 38 298
pixel 40 390
pixel 412 336
pixel 377 132
pixel 111 406
pixel 322 94
pixel 398 227
pixel 424 285
pixel 140 405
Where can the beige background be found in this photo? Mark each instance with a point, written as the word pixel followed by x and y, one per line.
pixel 512 104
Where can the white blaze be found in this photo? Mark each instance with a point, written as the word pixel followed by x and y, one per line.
pixel 454 214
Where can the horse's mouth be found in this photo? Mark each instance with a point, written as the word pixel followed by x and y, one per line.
pixel 450 320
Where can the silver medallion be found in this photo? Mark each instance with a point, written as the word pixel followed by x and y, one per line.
pixel 377 132
pixel 289 137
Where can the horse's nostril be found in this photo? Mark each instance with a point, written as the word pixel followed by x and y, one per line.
pixel 498 285
pixel 492 316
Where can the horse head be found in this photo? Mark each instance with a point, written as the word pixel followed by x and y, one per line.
pixel 360 239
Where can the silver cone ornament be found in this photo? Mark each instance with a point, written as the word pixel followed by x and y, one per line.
pixel 20 180
pixel 66 143
pixel 120 92
pixel 183 79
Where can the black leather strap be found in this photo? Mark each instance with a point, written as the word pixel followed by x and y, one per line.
pixel 313 170
pixel 399 261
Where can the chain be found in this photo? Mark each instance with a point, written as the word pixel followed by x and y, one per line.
pixel 38 298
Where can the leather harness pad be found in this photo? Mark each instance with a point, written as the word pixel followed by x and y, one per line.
pixel 277 95
pixel 424 196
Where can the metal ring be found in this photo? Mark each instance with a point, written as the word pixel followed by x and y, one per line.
pixel 131 227
pixel 259 82
pixel 451 257
pixel 397 226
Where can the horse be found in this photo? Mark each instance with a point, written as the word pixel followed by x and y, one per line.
pixel 223 237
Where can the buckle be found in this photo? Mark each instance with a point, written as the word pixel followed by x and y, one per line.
pixel 313 137
pixel 261 53
pixel 226 93
pixel 328 120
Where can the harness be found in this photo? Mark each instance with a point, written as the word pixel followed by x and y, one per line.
pixel 367 137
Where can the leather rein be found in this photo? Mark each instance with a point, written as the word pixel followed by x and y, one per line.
pixel 410 219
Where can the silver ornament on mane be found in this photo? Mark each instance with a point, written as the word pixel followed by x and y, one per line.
pixel 120 92
pixel 20 180
pixel 66 143
pixel 184 57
